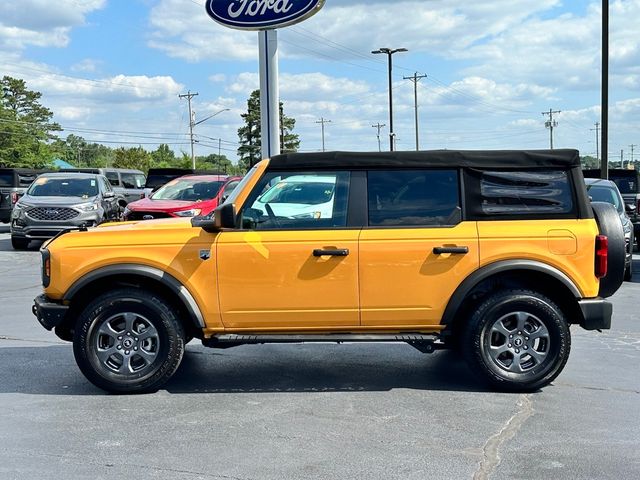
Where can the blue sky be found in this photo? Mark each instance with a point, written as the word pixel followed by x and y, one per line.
pixel 111 70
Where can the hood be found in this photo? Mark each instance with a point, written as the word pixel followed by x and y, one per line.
pixel 151 205
pixel 28 200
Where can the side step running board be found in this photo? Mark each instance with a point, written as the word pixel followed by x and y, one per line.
pixel 424 343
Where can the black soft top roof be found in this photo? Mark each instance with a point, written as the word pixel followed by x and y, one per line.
pixel 502 159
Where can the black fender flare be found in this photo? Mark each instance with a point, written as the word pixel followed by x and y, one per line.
pixel 146 271
pixel 505 266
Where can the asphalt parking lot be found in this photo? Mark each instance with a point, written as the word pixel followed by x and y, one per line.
pixel 379 411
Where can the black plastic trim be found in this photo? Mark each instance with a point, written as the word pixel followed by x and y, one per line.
pixel 144 271
pixel 49 313
pixel 487 271
pixel 46 255
pixel 596 313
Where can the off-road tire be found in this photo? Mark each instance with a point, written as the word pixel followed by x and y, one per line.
pixel 128 340
pixel 508 313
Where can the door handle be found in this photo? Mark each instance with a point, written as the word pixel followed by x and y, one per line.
pixel 338 252
pixel 454 250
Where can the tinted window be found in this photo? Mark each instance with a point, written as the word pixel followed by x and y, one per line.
pixel 106 186
pixel 413 197
pixel 296 200
pixel 525 193
pixel 132 180
pixel 625 184
pixel 64 187
pixel 113 178
pixel 6 179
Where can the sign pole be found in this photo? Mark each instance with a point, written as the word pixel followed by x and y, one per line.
pixel 269 93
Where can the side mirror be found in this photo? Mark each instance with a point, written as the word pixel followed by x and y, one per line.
pixel 109 194
pixel 630 208
pixel 223 217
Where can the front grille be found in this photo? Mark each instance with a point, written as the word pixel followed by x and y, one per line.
pixel 52 213
pixel 141 215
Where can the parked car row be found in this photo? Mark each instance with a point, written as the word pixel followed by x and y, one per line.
pixel 42 206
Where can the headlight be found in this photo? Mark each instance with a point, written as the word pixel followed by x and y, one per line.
pixel 315 215
pixel 17 210
pixel 126 212
pixel 88 207
pixel 188 213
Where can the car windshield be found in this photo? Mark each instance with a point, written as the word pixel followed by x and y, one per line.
pixel 306 193
pixel 601 193
pixel 64 187
pixel 188 189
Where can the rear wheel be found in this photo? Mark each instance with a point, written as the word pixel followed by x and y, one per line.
pixel 128 341
pixel 517 340
pixel 19 243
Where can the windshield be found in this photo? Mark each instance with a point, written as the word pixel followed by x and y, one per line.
pixel 301 192
pixel 599 193
pixel 64 187
pixel 190 190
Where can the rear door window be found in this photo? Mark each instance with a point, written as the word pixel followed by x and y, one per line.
pixel 113 178
pixel 6 179
pixel 413 198
pixel 132 180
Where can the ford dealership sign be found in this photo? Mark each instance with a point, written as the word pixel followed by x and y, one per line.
pixel 261 14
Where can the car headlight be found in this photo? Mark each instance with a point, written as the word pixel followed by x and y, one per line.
pixel 315 215
pixel 17 210
pixel 188 213
pixel 88 207
pixel 126 212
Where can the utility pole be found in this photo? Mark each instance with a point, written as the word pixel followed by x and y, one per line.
pixel 597 130
pixel 550 124
pixel 621 158
pixel 322 121
pixel 189 96
pixel 604 107
pixel 379 127
pixel 632 146
pixel 415 79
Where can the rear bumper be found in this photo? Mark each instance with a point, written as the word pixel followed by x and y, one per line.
pixel 596 314
pixel 50 314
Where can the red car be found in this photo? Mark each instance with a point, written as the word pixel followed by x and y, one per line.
pixel 185 196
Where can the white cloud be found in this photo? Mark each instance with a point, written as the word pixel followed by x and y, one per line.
pixel 42 22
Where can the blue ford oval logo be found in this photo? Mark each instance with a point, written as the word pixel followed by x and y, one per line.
pixel 147 217
pixel 261 14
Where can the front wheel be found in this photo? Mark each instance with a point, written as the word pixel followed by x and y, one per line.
pixel 517 340
pixel 128 341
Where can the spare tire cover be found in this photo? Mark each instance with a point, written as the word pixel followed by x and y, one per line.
pixel 609 224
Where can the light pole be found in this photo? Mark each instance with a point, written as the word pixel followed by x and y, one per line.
pixel 193 124
pixel 389 52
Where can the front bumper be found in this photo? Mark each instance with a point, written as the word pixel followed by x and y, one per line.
pixel 40 230
pixel 50 314
pixel 596 314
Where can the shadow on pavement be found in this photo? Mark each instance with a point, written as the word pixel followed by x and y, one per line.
pixel 51 370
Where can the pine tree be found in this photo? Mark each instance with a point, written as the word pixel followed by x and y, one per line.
pixel 250 133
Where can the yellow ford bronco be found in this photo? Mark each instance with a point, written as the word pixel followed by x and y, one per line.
pixel 493 253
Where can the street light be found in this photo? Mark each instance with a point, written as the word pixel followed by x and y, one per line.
pixel 192 124
pixel 389 52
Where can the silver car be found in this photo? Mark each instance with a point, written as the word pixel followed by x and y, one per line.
pixel 58 201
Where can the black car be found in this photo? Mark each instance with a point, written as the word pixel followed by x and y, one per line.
pixel 13 183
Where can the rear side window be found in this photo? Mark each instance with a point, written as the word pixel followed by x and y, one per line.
pixel 523 193
pixel 113 178
pixel 626 184
pixel 132 180
pixel 413 198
